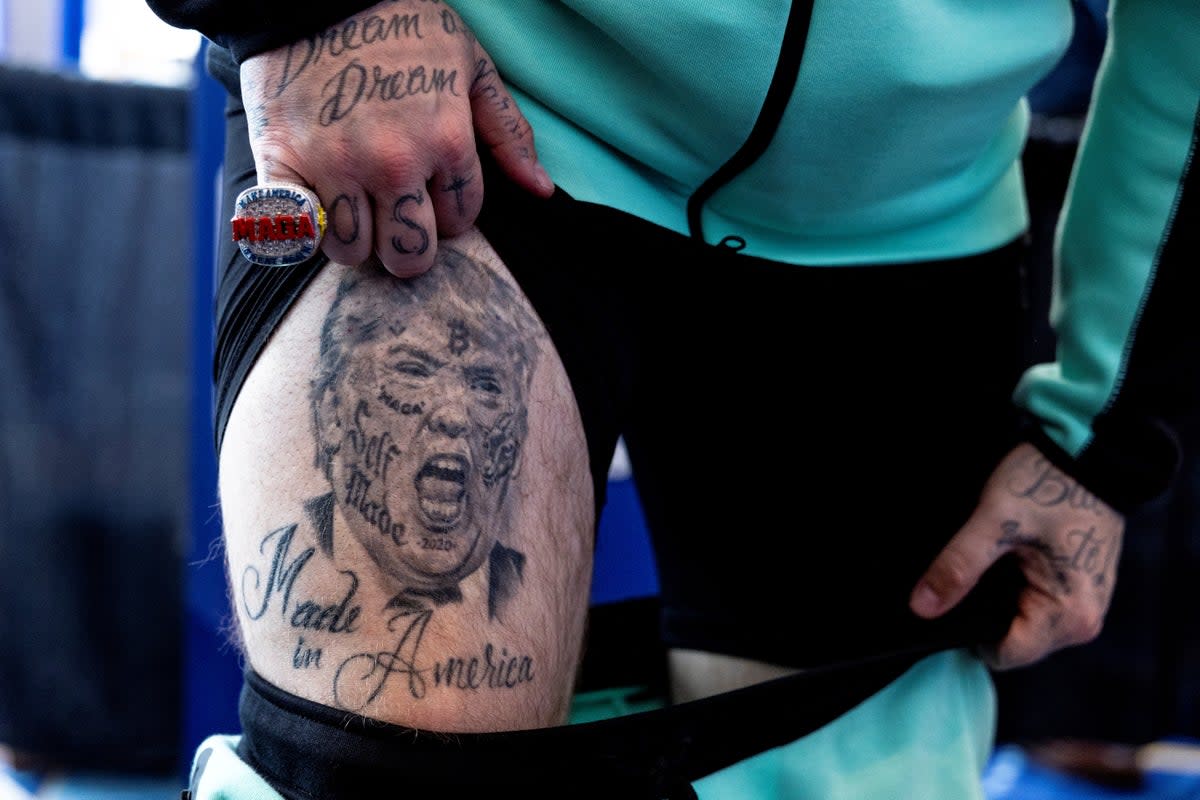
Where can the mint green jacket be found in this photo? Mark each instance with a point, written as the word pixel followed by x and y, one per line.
pixel 897 139
pixel 901 141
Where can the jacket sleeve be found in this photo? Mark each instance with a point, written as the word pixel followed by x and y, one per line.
pixel 249 27
pixel 1127 278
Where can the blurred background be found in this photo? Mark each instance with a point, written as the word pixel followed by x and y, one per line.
pixel 114 656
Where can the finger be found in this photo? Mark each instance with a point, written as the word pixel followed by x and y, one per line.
pixel 348 232
pixel 504 129
pixel 956 570
pixel 347 238
pixel 1035 631
pixel 456 189
pixel 405 232
pixel 273 162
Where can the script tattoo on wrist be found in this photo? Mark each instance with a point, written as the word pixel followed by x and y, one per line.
pixel 419 407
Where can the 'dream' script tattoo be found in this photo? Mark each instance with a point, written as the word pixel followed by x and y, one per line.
pixel 419 410
pixel 362 61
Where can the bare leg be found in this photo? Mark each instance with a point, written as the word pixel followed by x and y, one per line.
pixel 407 504
pixel 696 674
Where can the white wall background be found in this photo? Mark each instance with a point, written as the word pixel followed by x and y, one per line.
pixel 31 32
pixel 122 40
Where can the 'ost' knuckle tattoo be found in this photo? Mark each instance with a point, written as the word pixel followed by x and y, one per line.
pixel 344 220
pixel 419 407
pixel 456 186
pixel 415 240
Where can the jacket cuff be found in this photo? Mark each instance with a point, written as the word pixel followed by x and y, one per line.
pixel 1128 466
pixel 284 23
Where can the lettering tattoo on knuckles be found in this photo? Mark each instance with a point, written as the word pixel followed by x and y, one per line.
pixel 418 242
pixel 456 186
pixel 343 219
pixel 419 407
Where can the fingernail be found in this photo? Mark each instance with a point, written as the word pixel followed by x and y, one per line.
pixel 543 178
pixel 925 601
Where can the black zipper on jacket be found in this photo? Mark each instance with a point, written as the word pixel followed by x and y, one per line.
pixel 783 82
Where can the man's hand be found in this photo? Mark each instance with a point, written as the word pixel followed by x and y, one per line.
pixel 379 114
pixel 1067 539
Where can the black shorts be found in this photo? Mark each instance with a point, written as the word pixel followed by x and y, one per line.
pixel 804 440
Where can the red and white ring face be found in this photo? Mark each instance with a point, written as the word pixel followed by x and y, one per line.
pixel 278 225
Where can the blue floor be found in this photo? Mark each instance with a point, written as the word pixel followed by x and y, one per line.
pixel 1010 776
pixel 85 786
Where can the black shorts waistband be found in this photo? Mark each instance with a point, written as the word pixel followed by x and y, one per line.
pixel 309 751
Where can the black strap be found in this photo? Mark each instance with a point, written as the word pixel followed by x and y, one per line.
pixel 783 83
pixel 306 750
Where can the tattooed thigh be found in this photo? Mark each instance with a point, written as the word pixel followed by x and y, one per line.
pixel 406 499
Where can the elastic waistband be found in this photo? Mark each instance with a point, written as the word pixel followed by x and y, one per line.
pixel 306 750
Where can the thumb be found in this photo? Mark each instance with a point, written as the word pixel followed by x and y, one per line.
pixel 501 125
pixel 956 570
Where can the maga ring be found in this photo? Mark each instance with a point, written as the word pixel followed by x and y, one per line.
pixel 278 224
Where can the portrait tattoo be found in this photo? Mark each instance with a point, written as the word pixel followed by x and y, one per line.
pixel 419 439
pixel 419 406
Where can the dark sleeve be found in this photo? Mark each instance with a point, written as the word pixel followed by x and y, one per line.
pixel 1128 266
pixel 249 27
